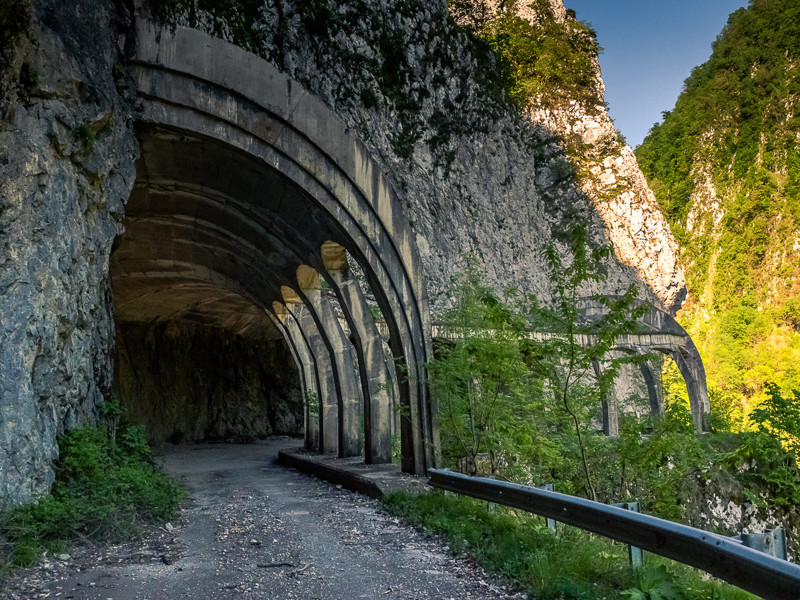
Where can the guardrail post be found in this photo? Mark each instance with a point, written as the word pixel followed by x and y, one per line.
pixel 772 542
pixel 551 523
pixel 635 554
pixel 491 507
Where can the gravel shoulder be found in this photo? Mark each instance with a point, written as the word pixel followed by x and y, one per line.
pixel 252 529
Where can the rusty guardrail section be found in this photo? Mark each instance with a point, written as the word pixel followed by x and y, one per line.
pixel 754 571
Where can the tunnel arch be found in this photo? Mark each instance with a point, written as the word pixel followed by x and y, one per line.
pixel 243 177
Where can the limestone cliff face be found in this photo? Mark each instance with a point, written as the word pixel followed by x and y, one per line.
pixel 611 178
pixel 67 154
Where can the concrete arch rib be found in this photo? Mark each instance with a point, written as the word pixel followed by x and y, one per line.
pixel 299 362
pixel 378 383
pixel 311 392
pixel 189 81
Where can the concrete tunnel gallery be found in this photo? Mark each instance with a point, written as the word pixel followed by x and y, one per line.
pixel 264 283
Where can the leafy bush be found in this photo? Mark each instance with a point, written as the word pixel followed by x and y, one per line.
pixel 103 490
pixel 481 381
pixel 759 462
pixel 527 403
pixel 790 313
pixel 656 469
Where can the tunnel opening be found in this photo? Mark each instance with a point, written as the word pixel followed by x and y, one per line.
pixel 189 381
pixel 197 357
pixel 244 178
pixel 237 315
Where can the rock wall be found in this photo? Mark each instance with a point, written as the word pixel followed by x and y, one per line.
pixel 67 153
pixel 613 182
pixel 189 383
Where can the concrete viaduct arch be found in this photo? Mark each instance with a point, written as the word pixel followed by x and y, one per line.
pixel 658 332
pixel 249 194
pixel 661 333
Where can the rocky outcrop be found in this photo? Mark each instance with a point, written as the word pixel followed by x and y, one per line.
pixel 67 153
pixel 191 383
pixel 612 180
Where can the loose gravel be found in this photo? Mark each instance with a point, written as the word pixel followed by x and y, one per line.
pixel 251 529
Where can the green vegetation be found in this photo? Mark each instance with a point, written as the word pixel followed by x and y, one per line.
pixel 481 382
pixel 568 361
pixel 734 130
pixel 106 488
pixel 520 407
pixel 86 135
pixel 523 406
pixel 567 564
pixel 549 63
pixel 228 19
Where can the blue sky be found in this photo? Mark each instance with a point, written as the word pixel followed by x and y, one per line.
pixel 650 47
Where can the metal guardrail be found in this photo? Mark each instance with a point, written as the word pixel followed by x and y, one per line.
pixel 756 572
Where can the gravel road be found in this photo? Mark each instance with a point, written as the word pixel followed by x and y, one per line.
pixel 251 529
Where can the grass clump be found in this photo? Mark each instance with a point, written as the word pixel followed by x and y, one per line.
pixel 567 564
pixel 107 487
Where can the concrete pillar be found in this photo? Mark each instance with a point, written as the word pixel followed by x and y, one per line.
pixel 691 367
pixel 344 361
pixel 655 391
pixel 610 408
pixel 309 378
pixel 328 393
pixel 388 361
pixel 378 383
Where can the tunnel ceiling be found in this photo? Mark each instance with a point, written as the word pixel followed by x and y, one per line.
pixel 211 236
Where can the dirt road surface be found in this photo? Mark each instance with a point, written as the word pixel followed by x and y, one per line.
pixel 251 530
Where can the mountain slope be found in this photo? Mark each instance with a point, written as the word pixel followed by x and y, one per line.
pixel 725 166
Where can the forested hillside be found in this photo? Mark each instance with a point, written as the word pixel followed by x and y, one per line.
pixel 725 167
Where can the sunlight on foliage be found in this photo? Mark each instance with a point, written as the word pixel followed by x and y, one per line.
pixel 724 165
pixel 548 62
pixel 568 564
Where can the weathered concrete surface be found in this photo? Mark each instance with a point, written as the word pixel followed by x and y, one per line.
pixel 187 382
pixel 379 383
pixel 660 333
pixel 375 481
pixel 327 403
pixel 476 176
pixel 254 530
pixel 350 422
pixel 307 366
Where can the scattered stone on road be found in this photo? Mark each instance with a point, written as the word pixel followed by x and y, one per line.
pixel 251 529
